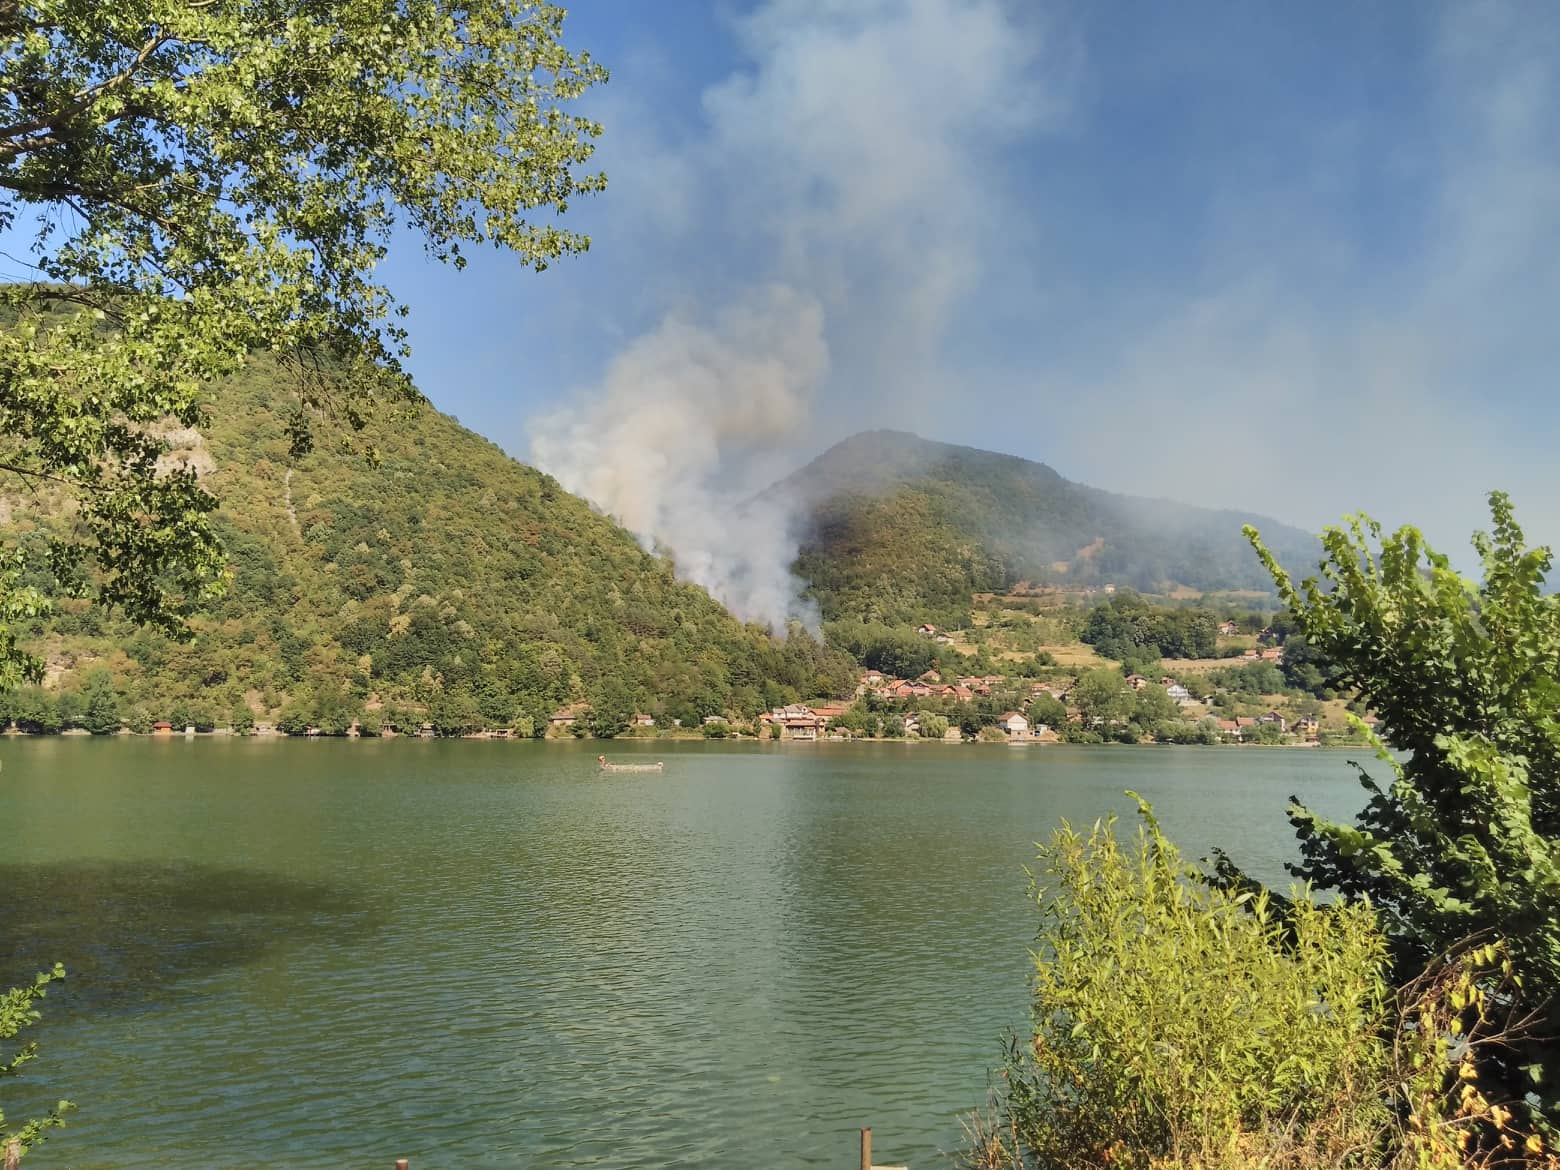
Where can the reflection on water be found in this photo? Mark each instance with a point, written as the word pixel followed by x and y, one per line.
pixel 133 932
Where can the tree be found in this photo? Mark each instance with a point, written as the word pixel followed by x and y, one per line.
pixel 1465 836
pixel 204 181
pixel 1153 706
pixel 34 711
pixel 1047 710
pixel 1102 694
pixel 102 703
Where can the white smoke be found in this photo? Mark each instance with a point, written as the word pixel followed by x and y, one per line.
pixel 852 165
pixel 647 445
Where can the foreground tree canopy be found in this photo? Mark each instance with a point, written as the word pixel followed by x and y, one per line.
pixel 202 179
pixel 1464 839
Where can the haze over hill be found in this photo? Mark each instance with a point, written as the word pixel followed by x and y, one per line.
pixel 896 527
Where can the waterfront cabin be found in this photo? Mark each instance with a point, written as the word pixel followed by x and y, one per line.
pixel 162 727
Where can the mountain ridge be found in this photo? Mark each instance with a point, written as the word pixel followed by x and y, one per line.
pixel 894 525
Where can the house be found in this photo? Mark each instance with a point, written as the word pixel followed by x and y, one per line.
pixel 943 640
pixel 712 719
pixel 1237 726
pixel 959 693
pixel 1109 588
pixel 912 724
pixel 162 727
pixel 797 722
pixel 1274 719
pixel 873 678
pixel 931 676
pixel 829 712
pixel 1228 629
pixel 566 715
pixel 926 630
pixel 1308 725
pixel 1014 725
pixel 642 720
pixel 1179 693
pixel 1274 653
pixel 1136 681
pixel 1248 653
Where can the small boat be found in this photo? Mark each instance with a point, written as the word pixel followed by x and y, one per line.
pixel 601 761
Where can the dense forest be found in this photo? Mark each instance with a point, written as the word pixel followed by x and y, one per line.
pixel 900 529
pixel 447 582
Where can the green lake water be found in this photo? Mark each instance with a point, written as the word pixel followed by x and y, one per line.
pixel 334 954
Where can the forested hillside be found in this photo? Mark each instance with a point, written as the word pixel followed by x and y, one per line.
pixel 449 580
pixel 899 529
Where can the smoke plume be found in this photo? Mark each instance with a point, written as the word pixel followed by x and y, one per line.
pixel 851 164
pixel 647 446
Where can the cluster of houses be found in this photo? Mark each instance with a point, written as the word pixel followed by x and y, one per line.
pixel 1307 726
pixel 810 723
pixel 929 686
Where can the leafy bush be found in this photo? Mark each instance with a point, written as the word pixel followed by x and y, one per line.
pixel 1169 1015
pixel 1182 1025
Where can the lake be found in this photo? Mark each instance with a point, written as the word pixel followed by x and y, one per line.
pixel 473 954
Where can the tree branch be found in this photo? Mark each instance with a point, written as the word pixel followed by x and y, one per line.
pixel 83 100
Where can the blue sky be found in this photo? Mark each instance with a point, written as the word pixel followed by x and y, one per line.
pixel 1300 259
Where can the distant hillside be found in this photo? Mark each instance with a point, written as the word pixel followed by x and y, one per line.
pixel 450 580
pixel 900 528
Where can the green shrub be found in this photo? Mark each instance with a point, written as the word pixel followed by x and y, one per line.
pixel 1171 1017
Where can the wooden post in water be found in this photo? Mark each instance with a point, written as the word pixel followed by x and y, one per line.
pixel 13 1154
pixel 866 1154
pixel 402 1164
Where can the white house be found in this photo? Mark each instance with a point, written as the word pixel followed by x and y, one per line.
pixel 1179 693
pixel 1014 725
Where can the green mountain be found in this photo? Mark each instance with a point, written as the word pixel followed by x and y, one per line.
pixel 450 581
pixel 897 528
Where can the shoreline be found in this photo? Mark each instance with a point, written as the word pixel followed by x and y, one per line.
pixel 229 734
